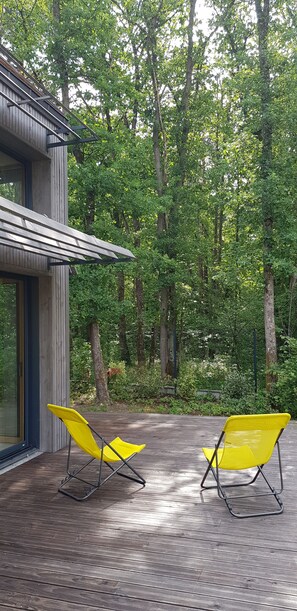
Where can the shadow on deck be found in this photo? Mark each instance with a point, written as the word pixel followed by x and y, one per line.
pixel 165 547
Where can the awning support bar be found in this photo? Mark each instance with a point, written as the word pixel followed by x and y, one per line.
pixel 88 262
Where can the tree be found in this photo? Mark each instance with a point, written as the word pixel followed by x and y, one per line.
pixel 266 193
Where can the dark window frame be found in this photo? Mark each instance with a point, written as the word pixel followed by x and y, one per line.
pixel 31 369
pixel 27 165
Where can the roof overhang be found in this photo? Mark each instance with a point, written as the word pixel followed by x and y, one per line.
pixel 26 230
pixel 29 96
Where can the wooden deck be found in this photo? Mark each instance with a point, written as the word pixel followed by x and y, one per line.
pixel 164 547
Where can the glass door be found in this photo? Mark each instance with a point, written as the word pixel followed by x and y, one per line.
pixel 12 426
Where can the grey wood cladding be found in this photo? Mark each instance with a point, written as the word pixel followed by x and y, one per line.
pixel 22 135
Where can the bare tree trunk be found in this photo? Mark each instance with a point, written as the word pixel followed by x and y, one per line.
pixel 164 330
pixel 124 348
pixel 269 322
pixel 167 223
pixel 160 162
pixel 102 394
pixel 292 288
pixel 263 12
pixel 162 229
pixel 139 297
pixel 60 59
pixel 153 345
pixel 184 107
pixel 172 347
pixel 140 329
pixel 182 142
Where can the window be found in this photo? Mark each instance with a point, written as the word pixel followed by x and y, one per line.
pixel 19 365
pixel 12 179
pixel 11 364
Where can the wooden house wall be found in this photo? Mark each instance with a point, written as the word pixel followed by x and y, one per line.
pixel 21 134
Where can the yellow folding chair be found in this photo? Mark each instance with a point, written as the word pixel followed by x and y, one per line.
pixel 82 433
pixel 246 442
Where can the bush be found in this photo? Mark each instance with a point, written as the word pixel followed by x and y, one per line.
pixel 211 373
pixel 250 404
pixel 237 385
pixel 284 395
pixel 207 375
pixel 136 383
pixel 81 367
pixel 187 381
pixel 117 385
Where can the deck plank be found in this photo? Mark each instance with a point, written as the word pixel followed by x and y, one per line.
pixel 165 547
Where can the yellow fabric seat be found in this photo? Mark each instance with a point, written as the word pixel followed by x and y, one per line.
pixel 233 457
pixel 122 447
pixel 116 451
pixel 245 442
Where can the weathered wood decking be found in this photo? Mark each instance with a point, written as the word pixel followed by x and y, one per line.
pixel 164 547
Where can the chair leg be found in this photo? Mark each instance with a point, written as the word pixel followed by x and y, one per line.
pixel 139 479
pixel 91 487
pixel 90 490
pixel 227 499
pixel 210 468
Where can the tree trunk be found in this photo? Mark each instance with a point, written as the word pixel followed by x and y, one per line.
pixel 122 325
pixel 167 225
pixel 124 348
pixel 140 328
pixel 164 330
pixel 269 324
pixel 153 345
pixel 292 288
pixel 60 59
pixel 162 228
pixel 139 297
pixel 160 163
pixel 173 221
pixel 171 369
pixel 263 11
pixel 102 394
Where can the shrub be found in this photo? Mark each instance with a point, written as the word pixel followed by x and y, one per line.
pixel 249 404
pixel 237 385
pixel 187 381
pixel 207 374
pixel 211 373
pixel 136 383
pixel 81 367
pixel 284 395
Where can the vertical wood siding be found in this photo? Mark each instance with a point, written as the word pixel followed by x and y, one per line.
pixel 49 193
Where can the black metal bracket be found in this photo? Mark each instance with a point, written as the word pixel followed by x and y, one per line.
pixel 106 261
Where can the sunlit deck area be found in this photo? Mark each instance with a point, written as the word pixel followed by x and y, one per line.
pixel 165 547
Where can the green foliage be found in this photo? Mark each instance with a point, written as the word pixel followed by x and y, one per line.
pixel 136 383
pixel 8 345
pixel 249 404
pixel 211 373
pixel 285 390
pixel 208 374
pixel 210 259
pixel 237 384
pixel 81 367
pixel 187 381
pixel 173 405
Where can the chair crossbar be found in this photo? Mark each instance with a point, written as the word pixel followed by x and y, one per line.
pixel 213 467
pixel 222 494
pixel 73 474
pixel 86 441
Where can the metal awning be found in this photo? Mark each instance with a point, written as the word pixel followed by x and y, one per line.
pixel 29 231
pixel 31 96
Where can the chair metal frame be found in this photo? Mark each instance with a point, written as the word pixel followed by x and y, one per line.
pixel 73 472
pixel 228 499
